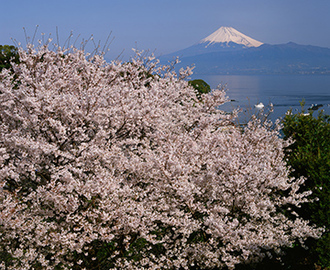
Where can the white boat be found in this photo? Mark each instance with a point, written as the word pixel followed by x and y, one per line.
pixel 259 106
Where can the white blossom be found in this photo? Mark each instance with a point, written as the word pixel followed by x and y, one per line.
pixel 124 157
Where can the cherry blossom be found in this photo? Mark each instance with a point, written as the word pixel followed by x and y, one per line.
pixel 120 165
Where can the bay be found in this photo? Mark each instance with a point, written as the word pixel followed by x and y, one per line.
pixel 283 91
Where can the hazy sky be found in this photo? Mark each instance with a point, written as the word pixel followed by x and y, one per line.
pixel 165 26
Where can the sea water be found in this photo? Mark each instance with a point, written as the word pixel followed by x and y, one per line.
pixel 284 92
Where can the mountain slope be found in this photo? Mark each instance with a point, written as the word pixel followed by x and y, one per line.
pixel 227 51
pixel 287 58
pixel 223 39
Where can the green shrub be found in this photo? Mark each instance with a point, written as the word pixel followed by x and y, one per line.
pixel 201 86
pixel 8 54
pixel 309 156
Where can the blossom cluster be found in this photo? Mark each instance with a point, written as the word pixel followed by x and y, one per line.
pixel 121 166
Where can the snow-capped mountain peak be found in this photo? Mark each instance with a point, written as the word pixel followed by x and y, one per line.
pixel 229 34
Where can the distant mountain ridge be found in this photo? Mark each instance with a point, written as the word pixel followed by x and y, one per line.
pixel 227 51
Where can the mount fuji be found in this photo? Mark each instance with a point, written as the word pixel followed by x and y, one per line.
pixel 223 39
pixel 228 51
pixel 224 36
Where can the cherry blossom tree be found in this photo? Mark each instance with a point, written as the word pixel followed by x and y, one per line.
pixel 122 166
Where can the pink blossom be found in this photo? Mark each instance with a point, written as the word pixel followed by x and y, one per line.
pixel 95 152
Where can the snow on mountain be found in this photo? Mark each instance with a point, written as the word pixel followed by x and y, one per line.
pixel 225 39
pixel 229 34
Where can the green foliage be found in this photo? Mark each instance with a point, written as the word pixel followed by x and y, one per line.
pixel 309 156
pixel 8 54
pixel 201 86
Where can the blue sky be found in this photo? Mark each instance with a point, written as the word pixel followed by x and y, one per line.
pixel 165 26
